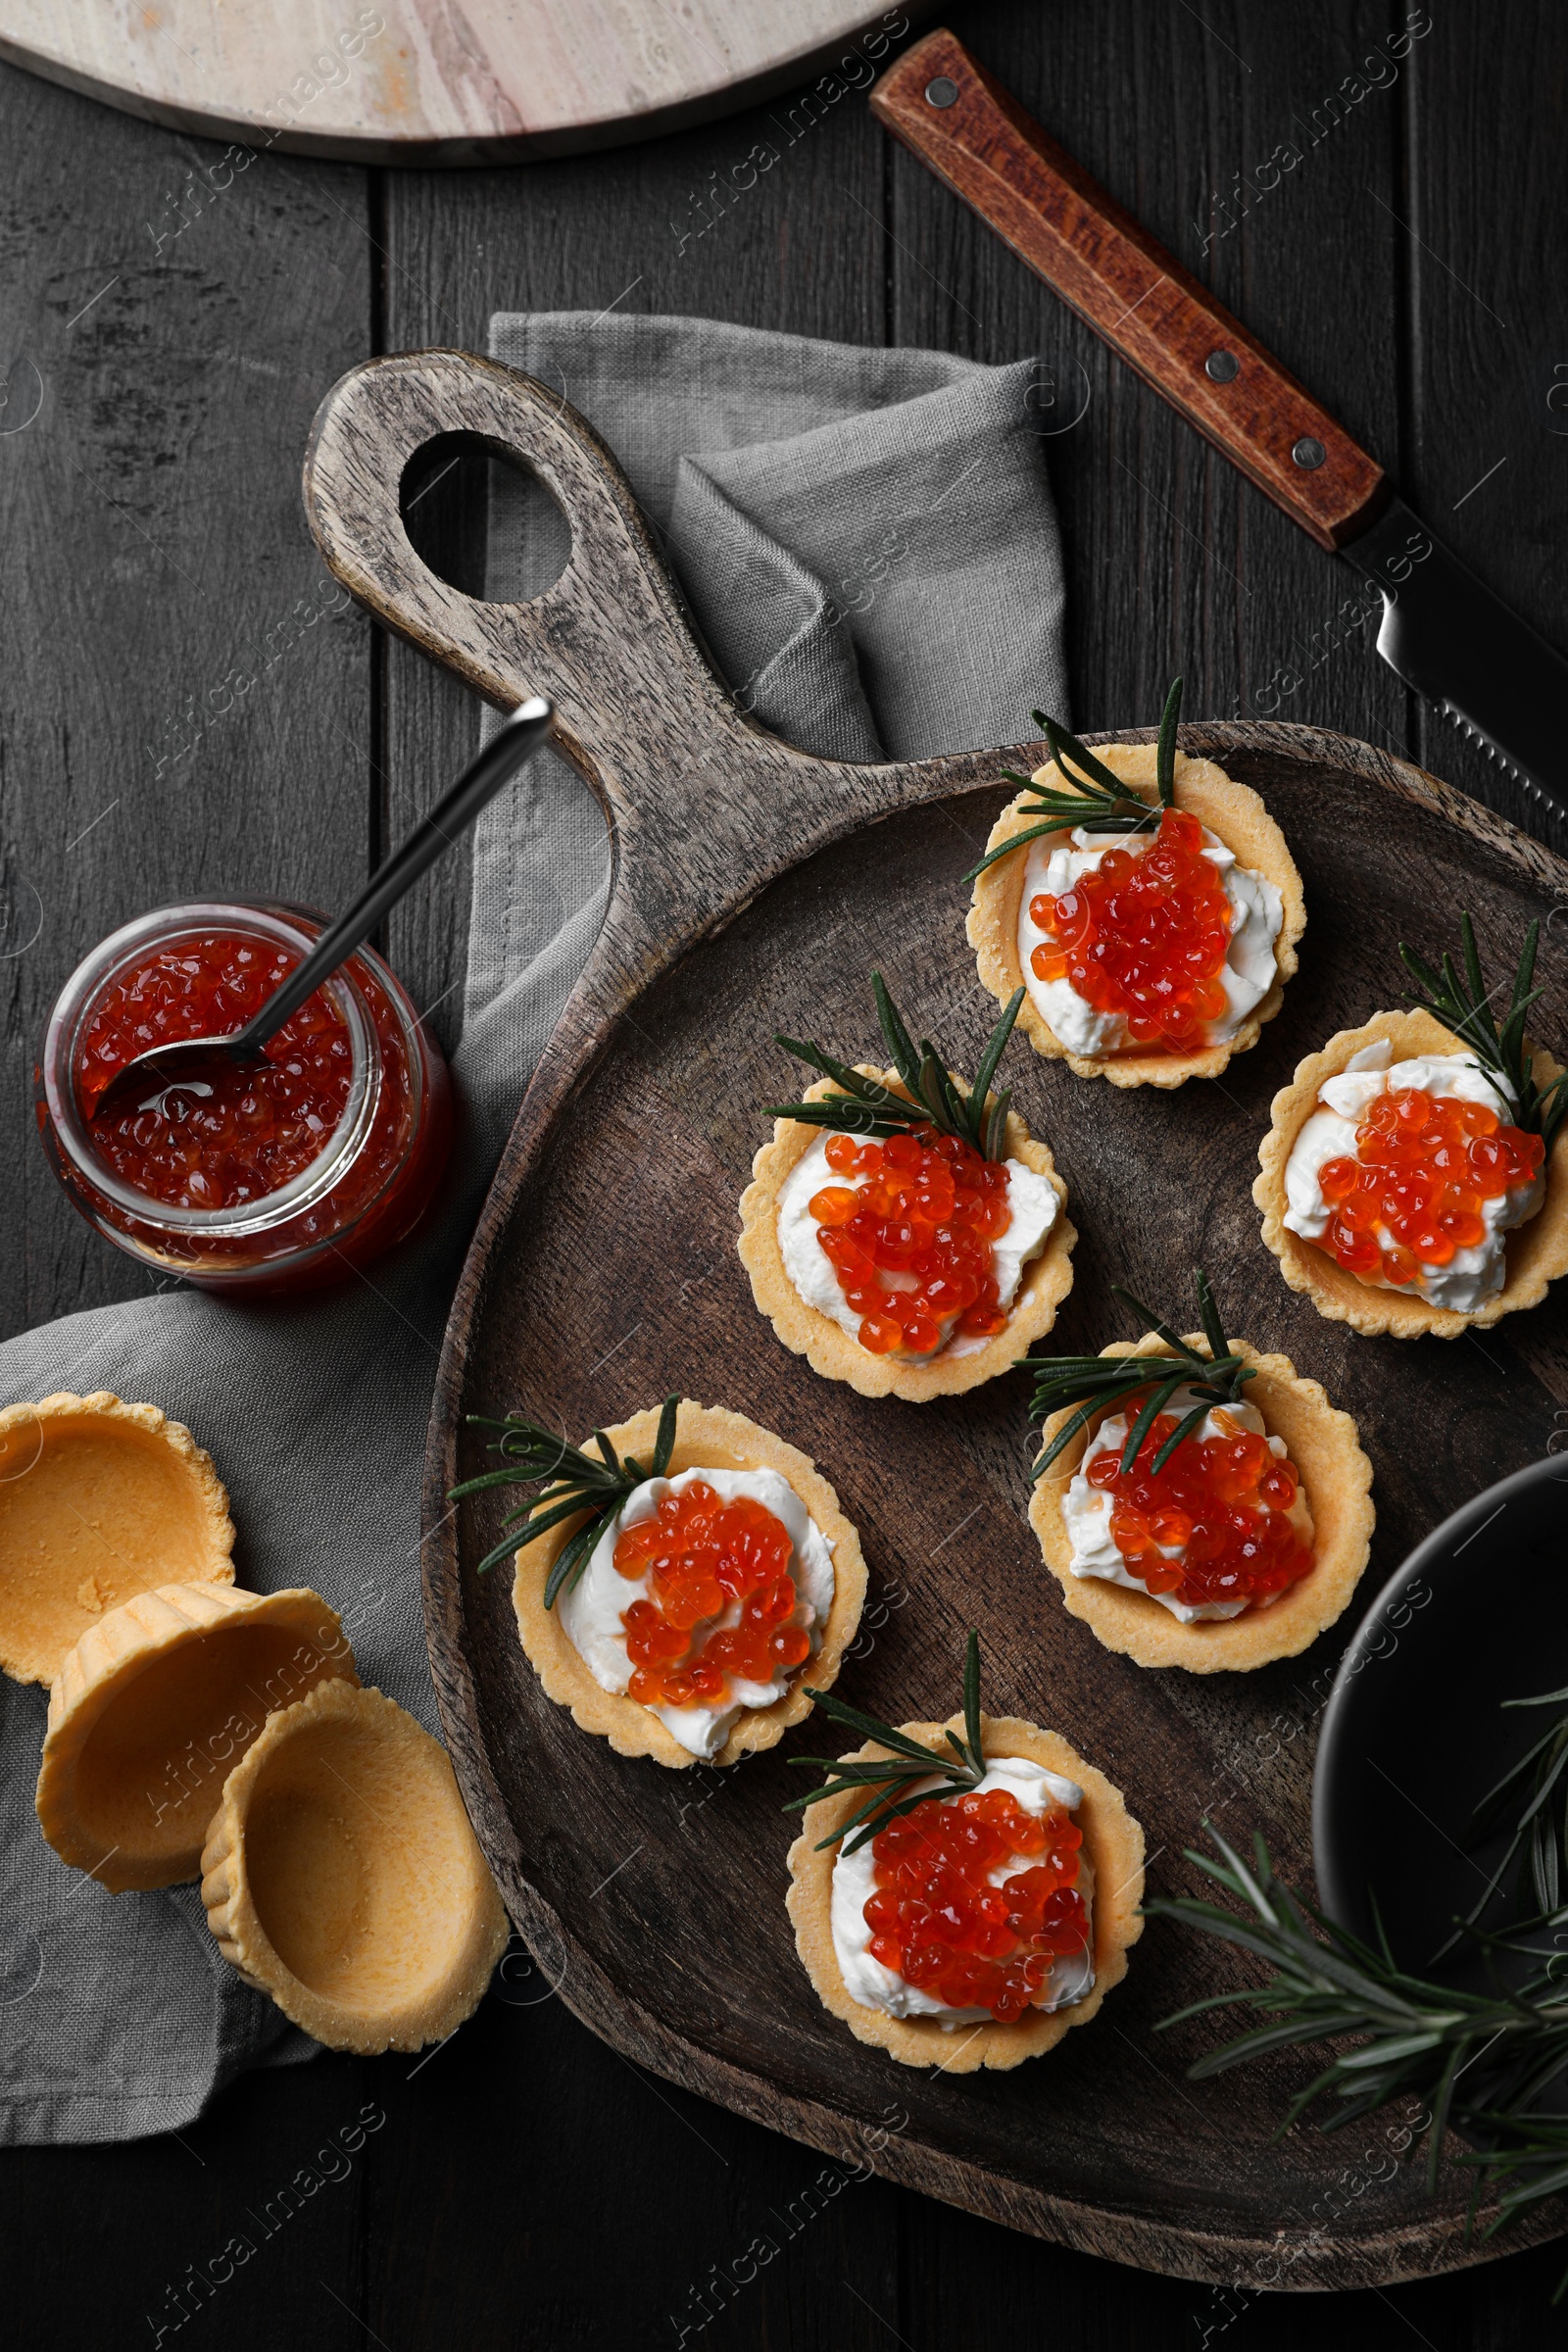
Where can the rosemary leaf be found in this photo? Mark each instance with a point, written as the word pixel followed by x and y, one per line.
pixel 1165 749
pixel 908 1763
pixel 1479 2062
pixel 900 1043
pixel 569 1481
pixel 1464 1007
pixel 1093 1383
pixel 867 1107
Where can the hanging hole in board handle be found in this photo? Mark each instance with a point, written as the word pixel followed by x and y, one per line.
pixel 483 520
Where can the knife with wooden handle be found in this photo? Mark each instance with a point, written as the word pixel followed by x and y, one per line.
pixel 1443 631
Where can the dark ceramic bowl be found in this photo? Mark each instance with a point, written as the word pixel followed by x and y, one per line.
pixel 1415 1732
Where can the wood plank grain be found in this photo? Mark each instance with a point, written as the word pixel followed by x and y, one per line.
pixel 245 2225
pixel 183 692
pixel 1486 457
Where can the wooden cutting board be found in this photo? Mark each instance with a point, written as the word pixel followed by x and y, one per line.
pixel 754 887
pixel 431 81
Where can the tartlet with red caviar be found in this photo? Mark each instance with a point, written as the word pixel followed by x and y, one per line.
pixel 675 1591
pixel 903 1231
pixel 1201 1504
pixel 1415 1178
pixel 1147 904
pixel 985 1891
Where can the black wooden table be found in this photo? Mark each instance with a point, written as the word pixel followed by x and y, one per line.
pixel 187 703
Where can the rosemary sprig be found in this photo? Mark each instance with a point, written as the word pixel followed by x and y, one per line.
pixel 1464 1005
pixel 908 1764
pixel 868 1107
pixel 575 1482
pixel 1099 799
pixel 1477 2061
pixel 1093 1382
pixel 1537 1851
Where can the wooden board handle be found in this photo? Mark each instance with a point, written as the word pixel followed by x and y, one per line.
pixel 608 641
pixel 704 806
pixel 950 112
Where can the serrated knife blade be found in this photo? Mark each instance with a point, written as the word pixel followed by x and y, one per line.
pixel 1445 634
pixel 1443 631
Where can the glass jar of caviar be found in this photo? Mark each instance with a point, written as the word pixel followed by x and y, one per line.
pixel 282 1177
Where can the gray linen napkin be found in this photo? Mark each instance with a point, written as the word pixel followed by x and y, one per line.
pixel 867 540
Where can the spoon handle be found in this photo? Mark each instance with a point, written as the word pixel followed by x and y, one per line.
pixel 432 836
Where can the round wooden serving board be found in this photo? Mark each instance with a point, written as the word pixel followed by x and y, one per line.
pixel 754 888
pixel 418 82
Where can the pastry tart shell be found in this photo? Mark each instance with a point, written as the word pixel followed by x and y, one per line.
pixel 707 1436
pixel 1231 810
pixel 826 1346
pixel 341 1876
pixel 1535 1253
pixel 1336 1478
pixel 99 1501
pixel 152 1707
pixel 1112 1847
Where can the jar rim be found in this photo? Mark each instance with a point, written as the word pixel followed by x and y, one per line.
pixel 269 919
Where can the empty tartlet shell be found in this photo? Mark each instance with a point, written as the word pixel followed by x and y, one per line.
pixel 388 1916
pixel 151 1708
pixel 68 1466
pixel 1535 1253
pixel 826 1346
pixel 1112 1847
pixel 710 1438
pixel 1336 1477
pixel 1233 812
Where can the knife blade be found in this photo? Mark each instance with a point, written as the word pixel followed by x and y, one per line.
pixel 1443 632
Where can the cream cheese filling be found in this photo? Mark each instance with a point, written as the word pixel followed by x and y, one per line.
pixel 591 1612
pixel 1473 1275
pixel 1035 1791
pixel 1031 1197
pixel 1086 1510
pixel 1257 913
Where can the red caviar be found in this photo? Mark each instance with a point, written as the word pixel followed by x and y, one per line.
pixel 1144 935
pixel 937 1920
pixel 912 1246
pixel 258 1128
pixel 1225 1501
pixel 1412 1193
pixel 702 1556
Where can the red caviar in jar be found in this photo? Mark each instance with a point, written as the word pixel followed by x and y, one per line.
pixel 256 1128
pixel 707 1560
pixel 1225 1501
pixel 911 1244
pixel 940 1922
pixel 1145 936
pixel 274 1179
pixel 1412 1195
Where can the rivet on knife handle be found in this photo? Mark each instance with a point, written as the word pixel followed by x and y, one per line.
pixel 950 112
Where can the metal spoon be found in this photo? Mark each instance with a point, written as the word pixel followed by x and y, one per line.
pixel 197 1065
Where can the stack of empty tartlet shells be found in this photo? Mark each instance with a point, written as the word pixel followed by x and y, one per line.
pixel 197 1732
